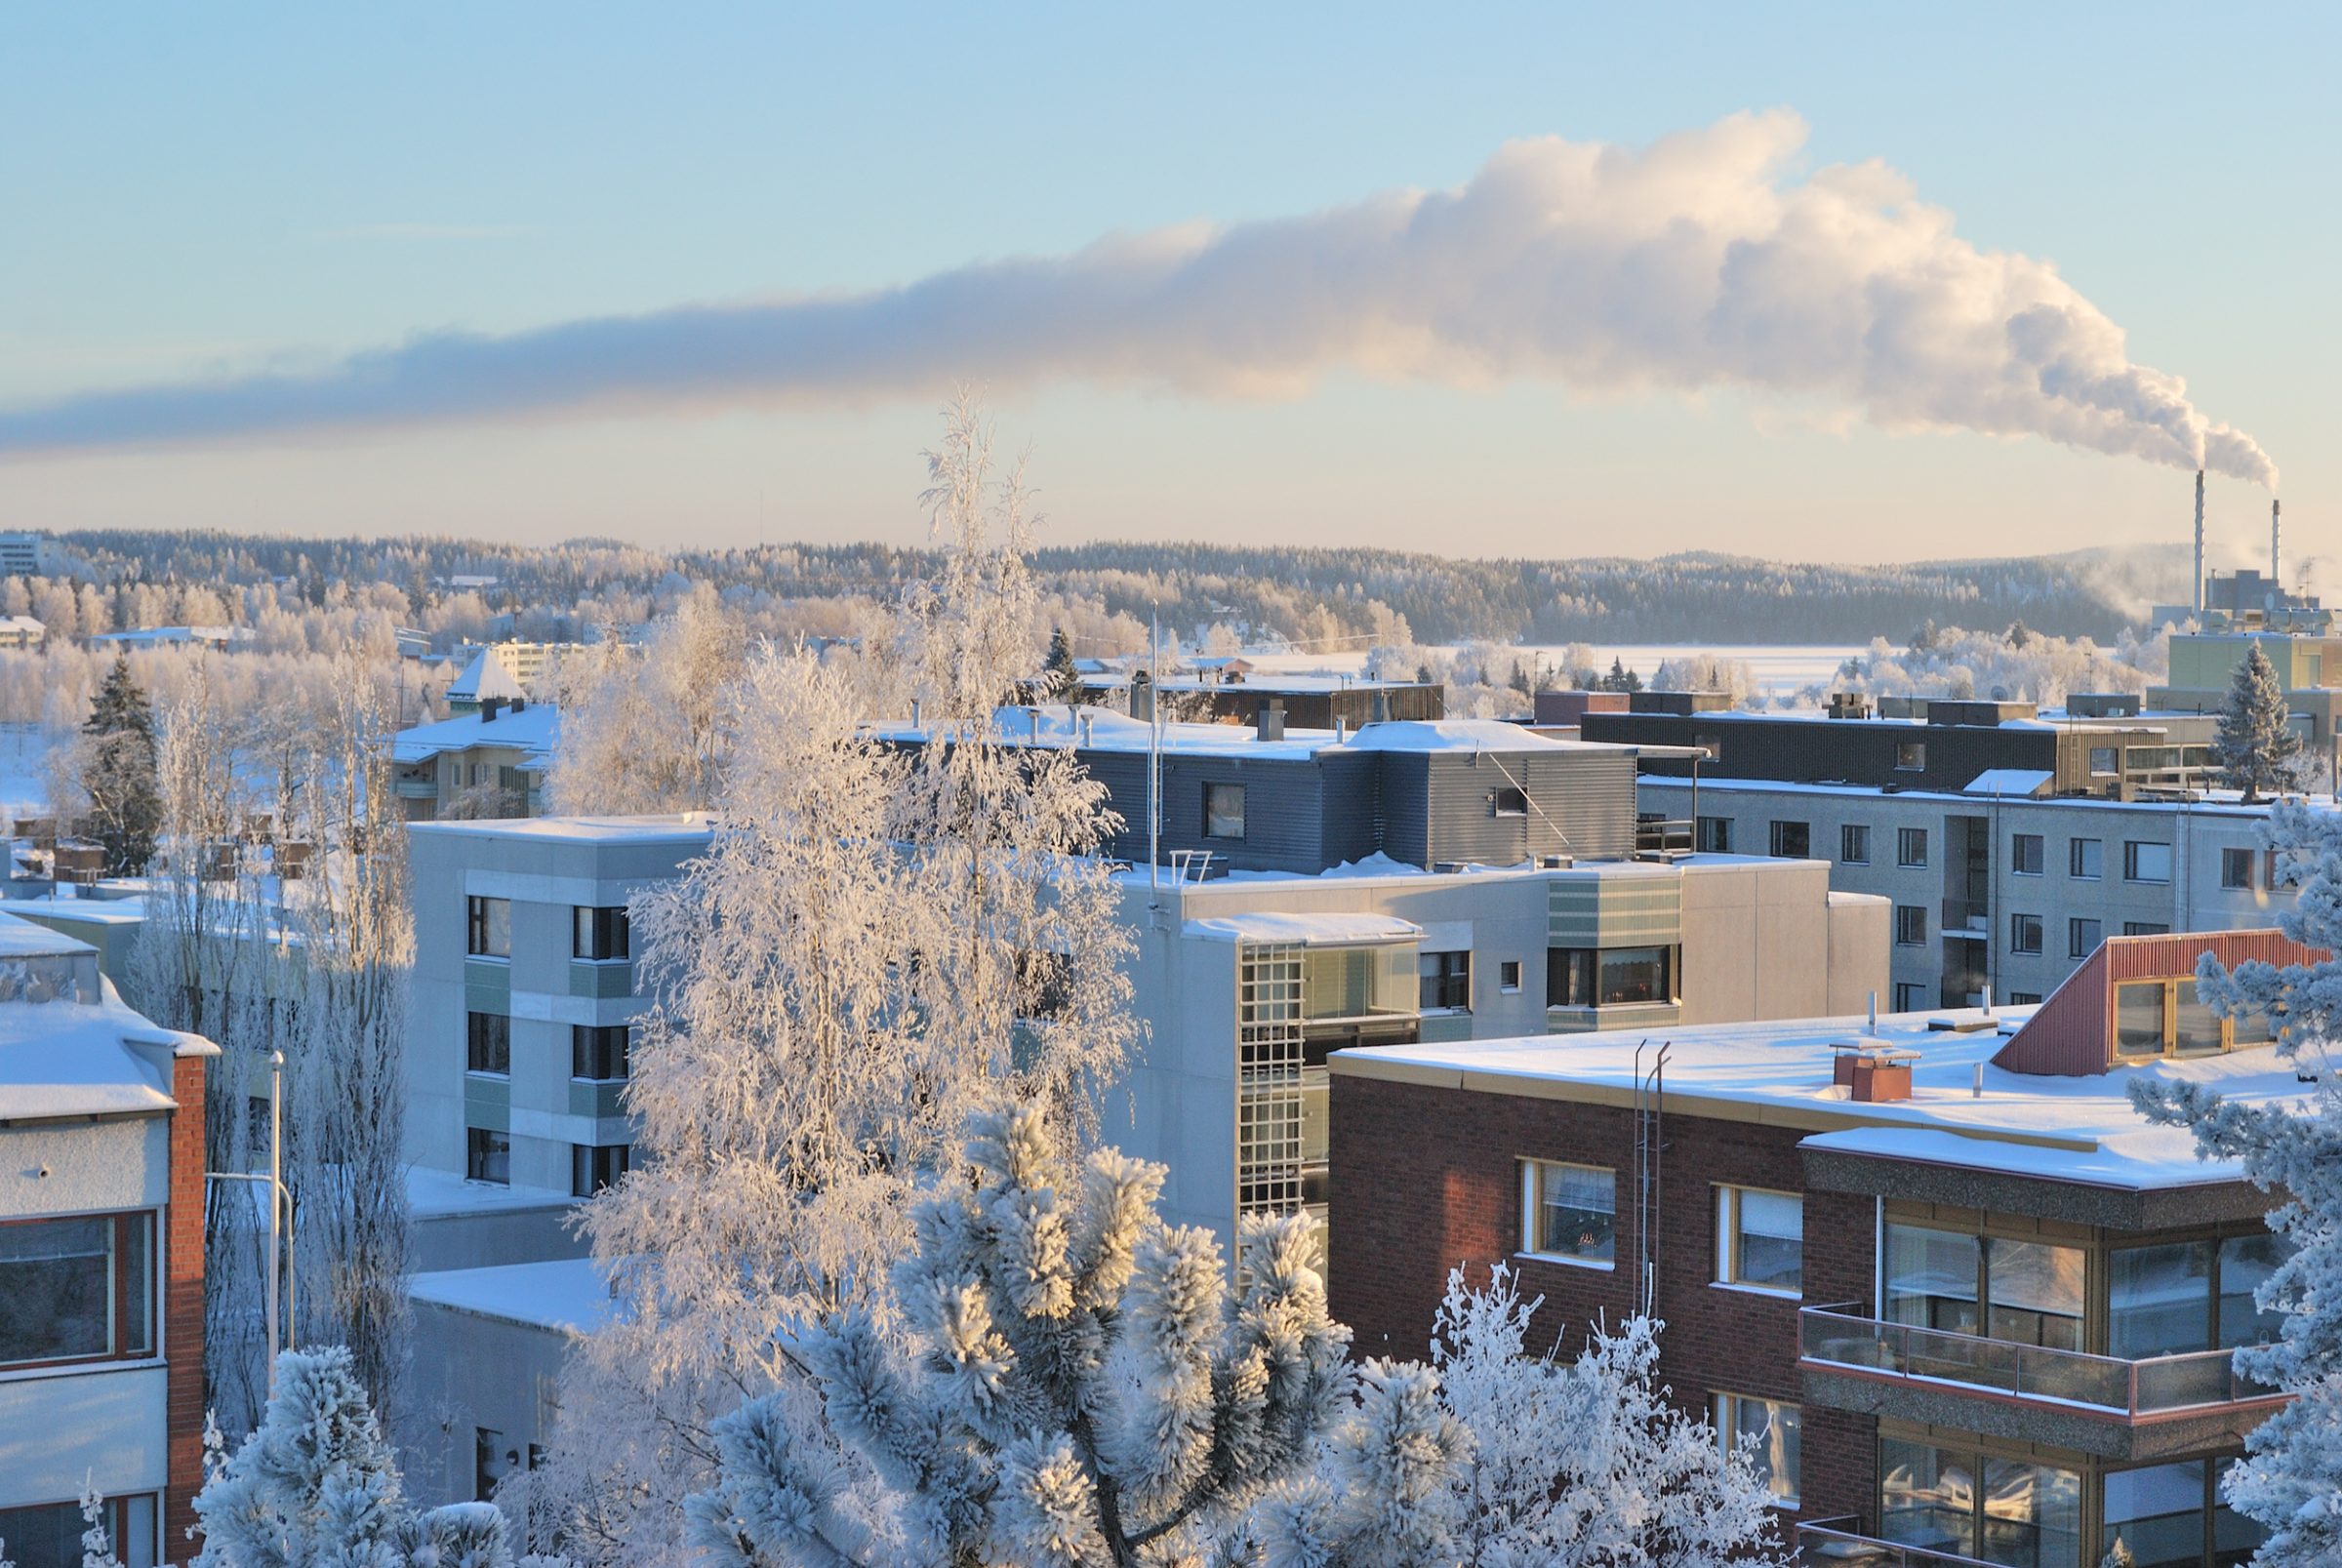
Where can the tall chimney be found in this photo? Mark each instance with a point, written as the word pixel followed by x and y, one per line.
pixel 2275 582
pixel 2200 543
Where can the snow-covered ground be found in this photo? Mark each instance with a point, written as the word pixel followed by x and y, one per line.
pixel 24 750
pixel 1780 670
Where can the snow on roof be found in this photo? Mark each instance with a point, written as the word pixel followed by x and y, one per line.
pixel 24 938
pixel 1461 734
pixel 2206 802
pixel 2079 1129
pixel 534 730
pixel 484 677
pixel 436 1195
pixel 82 1059
pixel 1063 725
pixel 2010 782
pixel 683 828
pixel 567 1293
pixel 77 911
pixel 1304 930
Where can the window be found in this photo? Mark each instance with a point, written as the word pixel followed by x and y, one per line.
pixel 1854 844
pixel 2145 928
pixel 487 1156
pixel 1910 996
pixel 599 933
pixel 1955 1282
pixel 2024 933
pixel 491 1461
pixel 1911 846
pixel 1978 1505
pixel 487 1043
pixel 2025 854
pixel 2236 868
pixel 2146 862
pixel 48 1535
pixel 599 1052
pixel 1510 802
pixel 2165 1016
pixel 1569 1212
pixel 2023 999
pixel 78 1289
pixel 1609 977
pixel 1356 982
pixel 2082 937
pixel 1760 1238
pixel 1223 810
pixel 1508 976
pixel 2085 857
pixel 2106 761
pixel 1792 840
pixel 592 1167
pixel 1910 756
pixel 1446 980
pixel 1714 835
pixel 2168 1514
pixel 1910 925
pixel 1768 1430
pixel 489 924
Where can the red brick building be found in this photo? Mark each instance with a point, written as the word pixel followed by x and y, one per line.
pixel 1964 1306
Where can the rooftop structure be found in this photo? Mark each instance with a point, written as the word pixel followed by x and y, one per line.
pixel 490 761
pixel 101 1205
pixel 1960 1305
pixel 214 637
pixel 486 682
pixel 1230 691
pixel 21 632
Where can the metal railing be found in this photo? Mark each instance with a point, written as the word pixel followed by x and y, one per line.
pixel 1671 836
pixel 1839 1543
pixel 1844 1336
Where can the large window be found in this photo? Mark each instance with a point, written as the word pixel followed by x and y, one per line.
pixel 488 1155
pixel 2082 937
pixel 1854 844
pixel 488 927
pixel 1910 925
pixel 2169 1515
pixel 599 1052
pixel 1569 1212
pixel 2146 862
pixel 1792 840
pixel 48 1535
pixel 2024 933
pixel 2178 1297
pixel 487 1043
pixel 1223 811
pixel 2085 857
pixel 592 1167
pixel 1714 835
pixel 2025 854
pixel 1609 977
pixel 1356 982
pixel 78 1289
pixel 599 933
pixel 1768 1430
pixel 2167 1018
pixel 2029 1292
pixel 2236 868
pixel 1911 846
pixel 1760 1238
pixel 1445 980
pixel 1980 1506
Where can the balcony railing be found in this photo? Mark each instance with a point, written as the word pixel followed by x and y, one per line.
pixel 1966 917
pixel 1838 1543
pixel 1841 1336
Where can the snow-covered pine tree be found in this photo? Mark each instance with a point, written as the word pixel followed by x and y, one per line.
pixel 1060 682
pixel 2254 744
pixel 316 1486
pixel 2292 1477
pixel 1062 1382
pixel 118 772
pixel 1498 1456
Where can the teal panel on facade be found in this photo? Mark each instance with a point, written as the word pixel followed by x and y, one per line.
pixel 1442 1028
pixel 589 978
pixel 488 1102
pixel 599 1100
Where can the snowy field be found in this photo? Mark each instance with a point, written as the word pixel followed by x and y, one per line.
pixel 22 751
pixel 1780 670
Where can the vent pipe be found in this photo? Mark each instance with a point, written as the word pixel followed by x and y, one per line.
pixel 2199 545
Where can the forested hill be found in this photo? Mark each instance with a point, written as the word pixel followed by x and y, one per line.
pixel 1311 595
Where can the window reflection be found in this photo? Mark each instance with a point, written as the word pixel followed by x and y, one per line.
pixel 2022 1516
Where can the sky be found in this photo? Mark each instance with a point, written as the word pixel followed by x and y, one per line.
pixel 1359 274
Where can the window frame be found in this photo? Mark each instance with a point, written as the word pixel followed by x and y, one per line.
pixel 1508 976
pixel 2075 947
pixel 128 1340
pixel 1730 1231
pixel 1905 840
pixel 478 1157
pixel 1218 790
pixel 1910 755
pixel 1919 920
pixel 583 1054
pixel 1532 1191
pixel 2232 856
pixel 1846 833
pixel 1778 830
pixel 2074 856
pixel 476 1035
pixel 1712 836
pixel 1509 800
pixel 1724 1413
pixel 587 1177
pixel 2039 843
pixel 601 934
pixel 1452 974
pixel 2131 862
pixel 481 927
pixel 2026 933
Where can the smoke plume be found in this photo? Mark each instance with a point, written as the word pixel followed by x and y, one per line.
pixel 1698 261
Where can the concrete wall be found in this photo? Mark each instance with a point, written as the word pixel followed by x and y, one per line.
pixel 479 1372
pixel 84 1167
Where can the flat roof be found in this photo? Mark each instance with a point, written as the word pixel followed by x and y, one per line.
pixel 2224 802
pixel 684 827
pixel 565 1294
pixel 2078 1129
pixel 535 729
pixel 1059 725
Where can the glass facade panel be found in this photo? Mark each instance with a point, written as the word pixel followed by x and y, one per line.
pixel 1927 1498
pixel 1356 982
pixel 2235 1538
pixel 2194 1030
pixel 2139 1019
pixel 1574 1212
pixel 2035 1292
pixel 2246 1262
pixel 2032 1516
pixel 1223 810
pixel 2158 1300
pixel 1931 1279
pixel 56 1290
pixel 1767 1430
pixel 2158 1514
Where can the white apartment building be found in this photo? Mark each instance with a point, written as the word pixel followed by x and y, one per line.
pixel 1992 887
pixel 102 1265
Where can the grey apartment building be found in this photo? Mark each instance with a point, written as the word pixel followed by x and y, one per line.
pixel 1992 887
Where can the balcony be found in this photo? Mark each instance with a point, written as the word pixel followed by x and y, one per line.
pixel 2098 1404
pixel 1838 1543
pixel 1967 918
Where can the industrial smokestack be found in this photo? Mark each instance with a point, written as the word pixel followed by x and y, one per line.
pixel 2275 582
pixel 2200 543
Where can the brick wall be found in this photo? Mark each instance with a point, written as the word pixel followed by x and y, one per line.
pixel 1425 1178
pixel 182 1308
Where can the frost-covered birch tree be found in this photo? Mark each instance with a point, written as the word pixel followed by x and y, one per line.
pixel 642 728
pixel 1062 1382
pixel 2292 1477
pixel 1499 1457
pixel 881 939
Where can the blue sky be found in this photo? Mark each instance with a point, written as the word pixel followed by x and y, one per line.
pixel 207 192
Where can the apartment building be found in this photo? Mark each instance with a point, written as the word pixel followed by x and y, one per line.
pixel 102 1265
pixel 521 1011
pixel 1230 691
pixel 2303 649
pixel 488 762
pixel 21 554
pixel 22 633
pixel 1969 1305
pixel 1996 887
